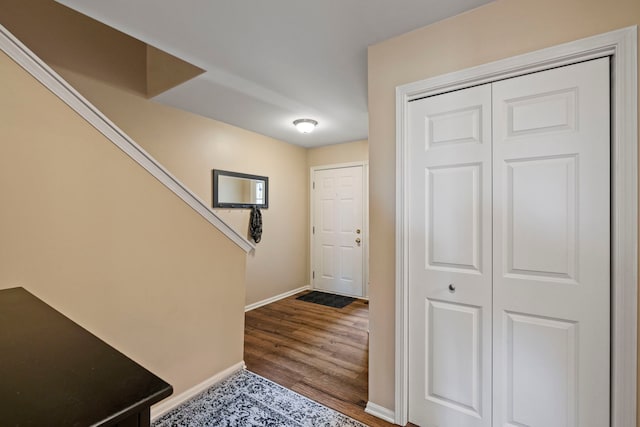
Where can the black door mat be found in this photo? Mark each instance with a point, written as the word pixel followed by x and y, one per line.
pixel 323 298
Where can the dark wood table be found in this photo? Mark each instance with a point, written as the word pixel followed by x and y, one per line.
pixel 55 373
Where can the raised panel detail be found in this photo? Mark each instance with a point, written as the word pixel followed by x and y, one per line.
pixel 547 112
pixel 346 181
pixel 454 127
pixel 327 183
pixel 346 215
pixel 326 212
pixel 327 262
pixel 453 346
pixel 541 371
pixel 346 263
pixel 541 218
pixel 454 217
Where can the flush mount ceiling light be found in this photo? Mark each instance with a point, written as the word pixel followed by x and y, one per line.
pixel 305 125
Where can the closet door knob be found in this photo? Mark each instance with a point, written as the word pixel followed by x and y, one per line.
pixel 452 288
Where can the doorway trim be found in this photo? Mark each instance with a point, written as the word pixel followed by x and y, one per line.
pixel 621 47
pixel 365 214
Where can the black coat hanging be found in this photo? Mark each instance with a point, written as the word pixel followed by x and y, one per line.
pixel 255 224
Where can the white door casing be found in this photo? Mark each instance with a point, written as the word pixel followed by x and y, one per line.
pixel 551 254
pixel 338 230
pixel 450 272
pixel 620 45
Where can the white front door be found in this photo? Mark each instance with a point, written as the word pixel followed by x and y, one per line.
pixel 449 259
pixel 551 247
pixel 509 252
pixel 338 230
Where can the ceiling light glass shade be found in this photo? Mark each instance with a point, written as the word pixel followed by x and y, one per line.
pixel 305 125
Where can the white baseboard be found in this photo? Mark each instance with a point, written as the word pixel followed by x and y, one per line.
pixel 380 412
pixel 168 404
pixel 275 298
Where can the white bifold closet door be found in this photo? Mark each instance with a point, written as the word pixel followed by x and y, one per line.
pixel 450 259
pixel 551 254
pixel 509 252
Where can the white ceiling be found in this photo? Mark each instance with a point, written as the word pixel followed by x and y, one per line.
pixel 269 62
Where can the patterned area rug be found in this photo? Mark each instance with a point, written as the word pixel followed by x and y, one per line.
pixel 246 399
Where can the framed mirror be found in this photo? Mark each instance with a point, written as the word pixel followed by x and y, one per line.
pixel 239 190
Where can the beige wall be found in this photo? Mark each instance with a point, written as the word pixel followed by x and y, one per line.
pixel 190 146
pixel 186 144
pixel 357 151
pixel 97 237
pixel 498 30
pixel 65 38
pixel 164 71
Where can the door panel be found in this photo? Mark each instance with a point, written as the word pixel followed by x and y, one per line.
pixel 450 222
pixel 551 247
pixel 453 199
pixel 541 370
pixel 541 112
pixel 454 126
pixel 454 329
pixel 541 196
pixel 338 216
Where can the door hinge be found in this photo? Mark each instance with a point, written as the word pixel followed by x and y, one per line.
pixel 313 229
pixel 313 275
pixel 314 185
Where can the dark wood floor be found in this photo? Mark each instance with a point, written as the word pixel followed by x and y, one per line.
pixel 317 351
